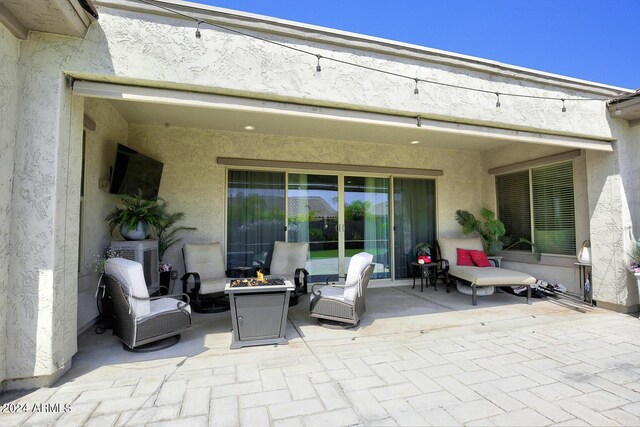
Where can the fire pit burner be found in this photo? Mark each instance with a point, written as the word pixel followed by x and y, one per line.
pixel 243 283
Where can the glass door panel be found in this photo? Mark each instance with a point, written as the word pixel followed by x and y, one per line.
pixel 313 217
pixel 366 221
pixel 414 205
pixel 255 216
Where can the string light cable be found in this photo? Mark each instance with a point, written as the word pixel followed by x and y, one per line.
pixel 365 67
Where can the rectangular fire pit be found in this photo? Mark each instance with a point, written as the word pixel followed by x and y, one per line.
pixel 258 310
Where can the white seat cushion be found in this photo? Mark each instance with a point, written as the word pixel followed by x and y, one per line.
pixel 332 292
pixel 357 265
pixel 165 304
pixel 206 259
pixel 131 277
pixel 212 286
pixel 287 257
pixel 489 276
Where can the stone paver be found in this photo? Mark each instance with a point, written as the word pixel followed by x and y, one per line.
pixel 495 364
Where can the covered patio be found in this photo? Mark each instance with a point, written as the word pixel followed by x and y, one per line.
pixel 416 359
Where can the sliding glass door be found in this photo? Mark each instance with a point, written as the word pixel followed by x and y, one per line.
pixel 312 205
pixel 255 216
pixel 414 220
pixel 366 221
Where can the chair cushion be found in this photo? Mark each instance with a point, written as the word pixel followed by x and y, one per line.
pixel 331 292
pixel 481 291
pixel 212 286
pixel 464 257
pixel 480 259
pixel 448 248
pixel 287 257
pixel 206 259
pixel 131 277
pixel 488 276
pixel 163 305
pixel 357 264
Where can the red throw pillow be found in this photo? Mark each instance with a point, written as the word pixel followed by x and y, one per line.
pixel 464 257
pixel 480 259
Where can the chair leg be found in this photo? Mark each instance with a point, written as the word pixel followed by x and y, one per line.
pixel 529 294
pixel 474 295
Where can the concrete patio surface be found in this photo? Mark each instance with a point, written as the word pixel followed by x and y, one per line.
pixel 417 358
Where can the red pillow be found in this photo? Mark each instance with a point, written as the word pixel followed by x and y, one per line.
pixel 464 257
pixel 480 258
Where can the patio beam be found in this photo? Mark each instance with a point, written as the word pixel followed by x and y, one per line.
pixel 366 118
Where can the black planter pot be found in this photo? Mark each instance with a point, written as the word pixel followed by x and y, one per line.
pixel 165 281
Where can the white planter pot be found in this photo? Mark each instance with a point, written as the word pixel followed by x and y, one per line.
pixel 139 233
pixel 637 281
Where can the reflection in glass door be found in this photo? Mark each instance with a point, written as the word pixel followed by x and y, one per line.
pixel 313 217
pixel 366 221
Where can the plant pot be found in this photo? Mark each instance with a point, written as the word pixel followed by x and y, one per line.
pixel 165 280
pixel 139 233
pixel 637 281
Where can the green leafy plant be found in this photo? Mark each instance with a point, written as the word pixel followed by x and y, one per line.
pixel 165 229
pixel 423 249
pixel 492 231
pixel 133 210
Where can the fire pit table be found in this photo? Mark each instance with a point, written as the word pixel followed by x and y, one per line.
pixel 258 310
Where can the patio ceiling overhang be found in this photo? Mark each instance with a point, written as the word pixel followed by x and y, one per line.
pixel 171 107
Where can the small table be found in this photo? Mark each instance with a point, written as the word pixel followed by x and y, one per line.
pixel 259 313
pixel 427 276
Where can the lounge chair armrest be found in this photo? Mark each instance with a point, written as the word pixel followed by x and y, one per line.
pixel 179 297
pixel 333 285
pixel 196 282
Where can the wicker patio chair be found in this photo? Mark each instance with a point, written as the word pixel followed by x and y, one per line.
pixel 205 277
pixel 343 305
pixel 141 322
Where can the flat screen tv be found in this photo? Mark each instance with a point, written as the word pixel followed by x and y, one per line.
pixel 133 172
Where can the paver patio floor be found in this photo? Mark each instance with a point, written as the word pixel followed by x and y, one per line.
pixel 416 359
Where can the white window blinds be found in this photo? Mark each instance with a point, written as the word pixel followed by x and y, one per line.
pixel 553 209
pixel 546 195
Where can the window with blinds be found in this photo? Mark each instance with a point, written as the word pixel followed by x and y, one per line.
pixel 554 229
pixel 514 207
pixel 546 195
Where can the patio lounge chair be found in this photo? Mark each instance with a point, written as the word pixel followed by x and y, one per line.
pixel 344 304
pixel 479 277
pixel 288 261
pixel 205 277
pixel 139 321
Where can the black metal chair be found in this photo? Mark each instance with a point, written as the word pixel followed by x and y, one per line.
pixel 205 277
pixel 288 261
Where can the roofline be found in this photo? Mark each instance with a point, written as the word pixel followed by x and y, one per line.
pixel 324 35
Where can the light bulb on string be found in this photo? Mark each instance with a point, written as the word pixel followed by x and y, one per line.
pixel 198 34
pixel 318 67
pixel 564 109
pixel 419 121
pixel 497 100
pixel 416 91
pixel 618 112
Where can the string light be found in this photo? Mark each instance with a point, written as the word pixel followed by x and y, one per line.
pixel 365 67
pixel 416 91
pixel 419 121
pixel 497 100
pixel 618 112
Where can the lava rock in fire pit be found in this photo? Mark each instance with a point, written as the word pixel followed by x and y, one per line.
pixel 243 283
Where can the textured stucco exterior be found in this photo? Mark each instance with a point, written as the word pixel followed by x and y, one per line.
pixel 9 85
pixel 100 150
pixel 135 48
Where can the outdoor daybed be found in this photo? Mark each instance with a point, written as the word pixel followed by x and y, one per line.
pixel 480 277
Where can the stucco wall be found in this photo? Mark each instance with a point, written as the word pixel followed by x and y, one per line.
pixel 194 183
pixel 100 150
pixel 44 235
pixel 9 104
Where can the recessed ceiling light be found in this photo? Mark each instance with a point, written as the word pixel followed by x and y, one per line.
pixel 249 128
pixel 415 142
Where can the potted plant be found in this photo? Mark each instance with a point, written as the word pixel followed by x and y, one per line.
pixel 492 231
pixel 634 266
pixel 165 230
pixel 423 253
pixel 134 217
